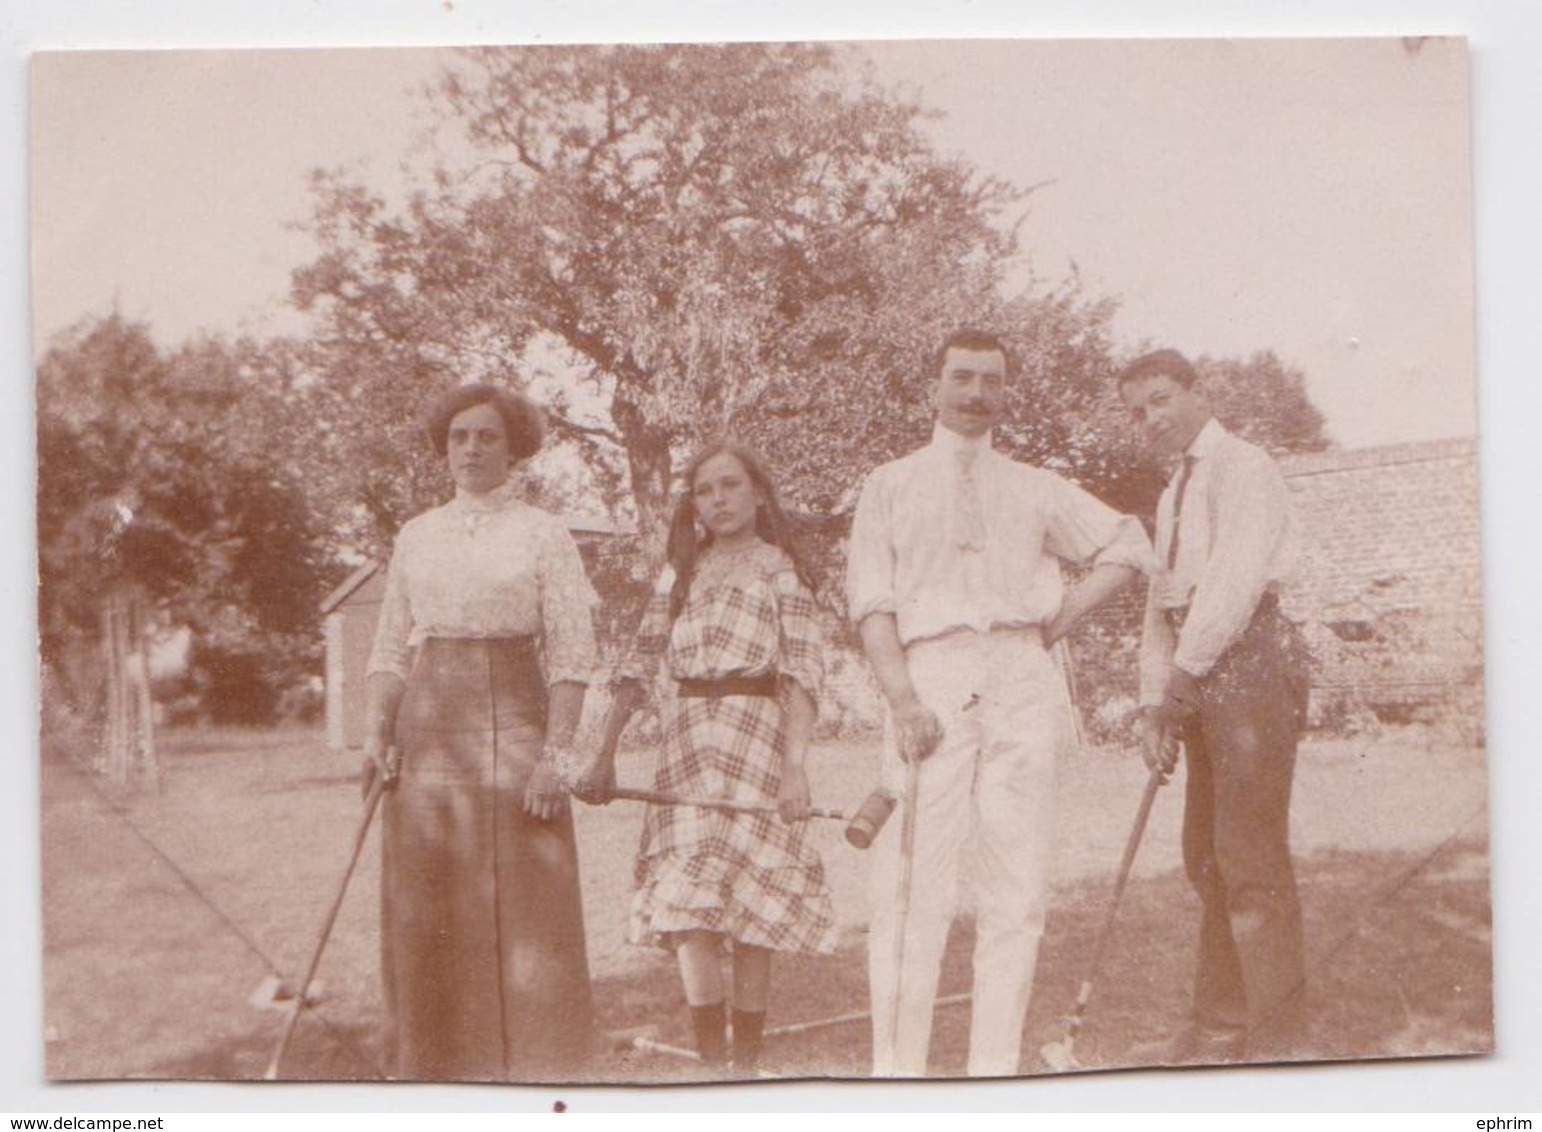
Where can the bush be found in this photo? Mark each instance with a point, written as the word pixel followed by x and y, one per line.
pixel 257 679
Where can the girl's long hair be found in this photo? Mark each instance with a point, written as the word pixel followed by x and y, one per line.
pixel 686 542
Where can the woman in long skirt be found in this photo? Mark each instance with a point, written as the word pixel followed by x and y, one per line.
pixel 477 677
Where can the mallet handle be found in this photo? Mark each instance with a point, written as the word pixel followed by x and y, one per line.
pixel 1154 783
pixel 371 803
pixel 627 794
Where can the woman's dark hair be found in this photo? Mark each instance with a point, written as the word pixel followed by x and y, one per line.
pixel 522 423
pixel 686 543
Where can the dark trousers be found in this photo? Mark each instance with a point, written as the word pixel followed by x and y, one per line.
pixel 1241 755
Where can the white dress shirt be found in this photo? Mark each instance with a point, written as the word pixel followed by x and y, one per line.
pixel 1236 543
pixel 908 554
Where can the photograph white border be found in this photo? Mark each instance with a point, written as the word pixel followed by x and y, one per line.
pixel 1506 44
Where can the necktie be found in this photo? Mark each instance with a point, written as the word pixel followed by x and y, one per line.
pixel 970 522
pixel 1183 486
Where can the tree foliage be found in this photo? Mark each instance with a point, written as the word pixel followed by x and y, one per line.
pixel 166 477
pixel 667 243
pixel 696 239
pixel 1265 401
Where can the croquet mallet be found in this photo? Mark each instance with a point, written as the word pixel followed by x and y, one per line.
pixel 371 803
pixel 628 794
pixel 615 725
pixel 911 802
pixel 870 818
pixel 1060 1056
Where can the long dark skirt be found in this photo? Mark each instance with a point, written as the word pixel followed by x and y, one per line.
pixel 482 933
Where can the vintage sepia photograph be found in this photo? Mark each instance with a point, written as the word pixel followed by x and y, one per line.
pixel 723 563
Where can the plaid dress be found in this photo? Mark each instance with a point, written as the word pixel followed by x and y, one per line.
pixel 747 876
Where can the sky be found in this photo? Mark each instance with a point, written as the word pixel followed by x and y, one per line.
pixel 1309 198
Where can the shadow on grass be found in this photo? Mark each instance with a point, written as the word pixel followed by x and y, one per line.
pixel 319 1051
pixel 199 742
pixel 1398 965
pixel 297 784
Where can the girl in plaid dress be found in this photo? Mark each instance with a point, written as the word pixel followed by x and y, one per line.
pixel 734 619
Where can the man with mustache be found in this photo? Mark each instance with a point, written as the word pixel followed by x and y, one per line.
pixel 1223 670
pixel 954 580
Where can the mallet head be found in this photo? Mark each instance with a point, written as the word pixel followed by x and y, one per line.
pixel 870 818
pixel 1059 1057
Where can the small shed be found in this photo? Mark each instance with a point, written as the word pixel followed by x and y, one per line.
pixel 348 617
pixel 349 614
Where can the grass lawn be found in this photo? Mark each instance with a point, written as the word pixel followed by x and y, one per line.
pixel 164 913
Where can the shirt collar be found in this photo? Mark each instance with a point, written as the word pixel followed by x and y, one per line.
pixel 503 496
pixel 951 443
pixel 1205 441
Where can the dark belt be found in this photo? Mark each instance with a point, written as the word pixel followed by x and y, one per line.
pixel 730 686
pixel 1266 605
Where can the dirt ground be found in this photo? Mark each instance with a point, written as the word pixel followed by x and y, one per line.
pixel 164 914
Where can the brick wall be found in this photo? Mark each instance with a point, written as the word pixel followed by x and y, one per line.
pixel 1389 589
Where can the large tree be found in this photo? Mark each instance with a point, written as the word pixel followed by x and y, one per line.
pixel 688 239
pixel 665 243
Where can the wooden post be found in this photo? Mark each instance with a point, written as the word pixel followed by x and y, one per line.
pixel 117 761
pixel 102 763
pixel 129 744
pixel 149 764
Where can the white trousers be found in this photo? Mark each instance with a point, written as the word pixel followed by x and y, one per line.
pixel 984 809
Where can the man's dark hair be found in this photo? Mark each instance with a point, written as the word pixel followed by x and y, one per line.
pixel 970 338
pixel 522 423
pixel 1159 363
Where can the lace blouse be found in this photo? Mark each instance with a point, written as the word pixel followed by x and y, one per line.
pixel 485 566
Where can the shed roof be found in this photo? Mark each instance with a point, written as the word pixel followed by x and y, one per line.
pixel 349 585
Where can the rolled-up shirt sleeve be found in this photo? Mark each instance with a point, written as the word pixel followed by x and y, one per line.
pixel 1080 527
pixel 1129 547
pixel 870 582
pixel 567 611
pixel 1156 652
